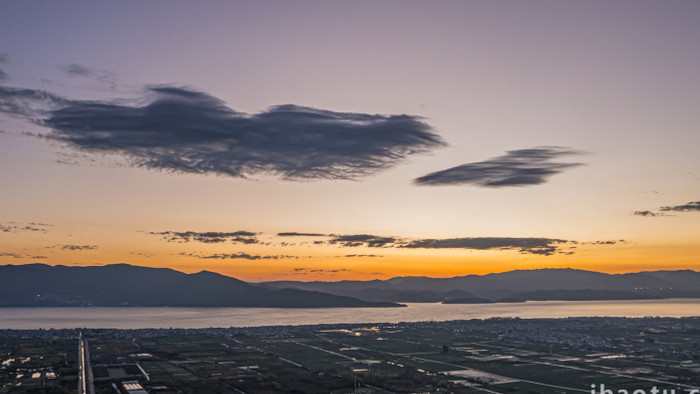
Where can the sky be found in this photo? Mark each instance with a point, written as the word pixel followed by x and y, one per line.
pixel 351 140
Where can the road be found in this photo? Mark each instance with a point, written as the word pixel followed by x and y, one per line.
pixel 86 384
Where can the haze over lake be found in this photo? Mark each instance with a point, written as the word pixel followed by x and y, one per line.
pixel 132 318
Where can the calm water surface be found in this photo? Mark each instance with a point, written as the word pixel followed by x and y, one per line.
pixel 33 318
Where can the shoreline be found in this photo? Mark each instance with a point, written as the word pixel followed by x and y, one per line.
pixel 341 326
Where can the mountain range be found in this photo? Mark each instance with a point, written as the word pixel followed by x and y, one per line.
pixel 539 284
pixel 128 285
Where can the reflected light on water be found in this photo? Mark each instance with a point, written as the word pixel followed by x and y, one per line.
pixel 125 318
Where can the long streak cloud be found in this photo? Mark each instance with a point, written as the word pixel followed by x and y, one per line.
pixel 523 167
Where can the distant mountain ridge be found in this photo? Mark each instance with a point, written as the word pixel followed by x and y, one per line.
pixel 538 284
pixel 128 285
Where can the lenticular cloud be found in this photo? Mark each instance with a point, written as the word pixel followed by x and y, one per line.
pixel 188 131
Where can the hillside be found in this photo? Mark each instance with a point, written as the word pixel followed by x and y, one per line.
pixel 127 285
pixel 520 284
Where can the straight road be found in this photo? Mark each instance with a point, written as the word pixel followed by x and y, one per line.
pixel 86 384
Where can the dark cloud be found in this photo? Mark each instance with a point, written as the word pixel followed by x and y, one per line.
pixel 693 206
pixel 295 234
pixel 19 256
pixel 304 271
pixel 13 227
pixel 524 167
pixel 244 256
pixel 608 242
pixel 244 237
pixel 542 246
pixel 647 213
pixel 371 241
pixel 184 130
pixel 78 247
pixel 532 245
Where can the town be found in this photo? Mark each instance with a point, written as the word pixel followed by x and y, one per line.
pixel 500 355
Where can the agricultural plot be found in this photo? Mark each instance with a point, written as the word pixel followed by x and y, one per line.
pixel 479 356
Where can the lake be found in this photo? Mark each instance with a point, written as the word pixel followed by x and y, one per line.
pixel 98 317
